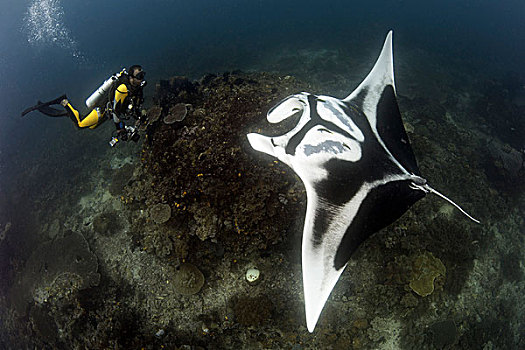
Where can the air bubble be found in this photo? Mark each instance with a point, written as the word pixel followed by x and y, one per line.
pixel 44 26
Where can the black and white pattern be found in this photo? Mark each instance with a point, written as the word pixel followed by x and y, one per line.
pixel 358 168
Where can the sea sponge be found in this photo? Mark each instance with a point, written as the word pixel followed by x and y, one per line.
pixel 425 269
pixel 189 279
pixel 160 213
pixel 176 113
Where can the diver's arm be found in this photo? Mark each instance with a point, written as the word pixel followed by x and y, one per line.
pixel 137 101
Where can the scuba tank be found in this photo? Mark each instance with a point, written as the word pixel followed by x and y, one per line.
pixel 98 98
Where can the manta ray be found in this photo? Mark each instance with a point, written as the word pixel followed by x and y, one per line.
pixel 358 169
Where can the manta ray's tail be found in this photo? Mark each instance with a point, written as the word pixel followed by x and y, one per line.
pixel 426 188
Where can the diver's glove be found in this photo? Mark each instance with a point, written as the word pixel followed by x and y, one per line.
pixel 122 134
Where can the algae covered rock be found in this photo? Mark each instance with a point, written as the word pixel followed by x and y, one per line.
pixel 253 311
pixel 3 232
pixel 121 178
pixel 50 262
pixel 43 324
pixel 107 223
pixel 425 269
pixel 505 166
pixel 188 279
pixel 160 213
pixel 444 334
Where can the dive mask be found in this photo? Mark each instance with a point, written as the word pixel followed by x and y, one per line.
pixel 140 75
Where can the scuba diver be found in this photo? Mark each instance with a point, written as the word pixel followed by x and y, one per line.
pixel 119 98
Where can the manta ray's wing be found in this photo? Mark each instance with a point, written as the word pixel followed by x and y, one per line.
pixel 356 163
pixel 357 199
pixel 376 98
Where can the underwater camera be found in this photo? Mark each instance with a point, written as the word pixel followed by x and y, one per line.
pixel 132 134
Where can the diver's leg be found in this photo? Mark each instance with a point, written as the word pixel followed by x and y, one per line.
pixel 72 113
pixel 102 117
pixel 91 120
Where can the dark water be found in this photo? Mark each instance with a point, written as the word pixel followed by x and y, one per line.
pixel 49 47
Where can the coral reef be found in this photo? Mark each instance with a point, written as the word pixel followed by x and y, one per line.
pixel 163 244
pixel 43 324
pixel 385 331
pixel 498 111
pixel 505 167
pixel 252 276
pixel 510 267
pixel 171 91
pixel 201 169
pixel 206 221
